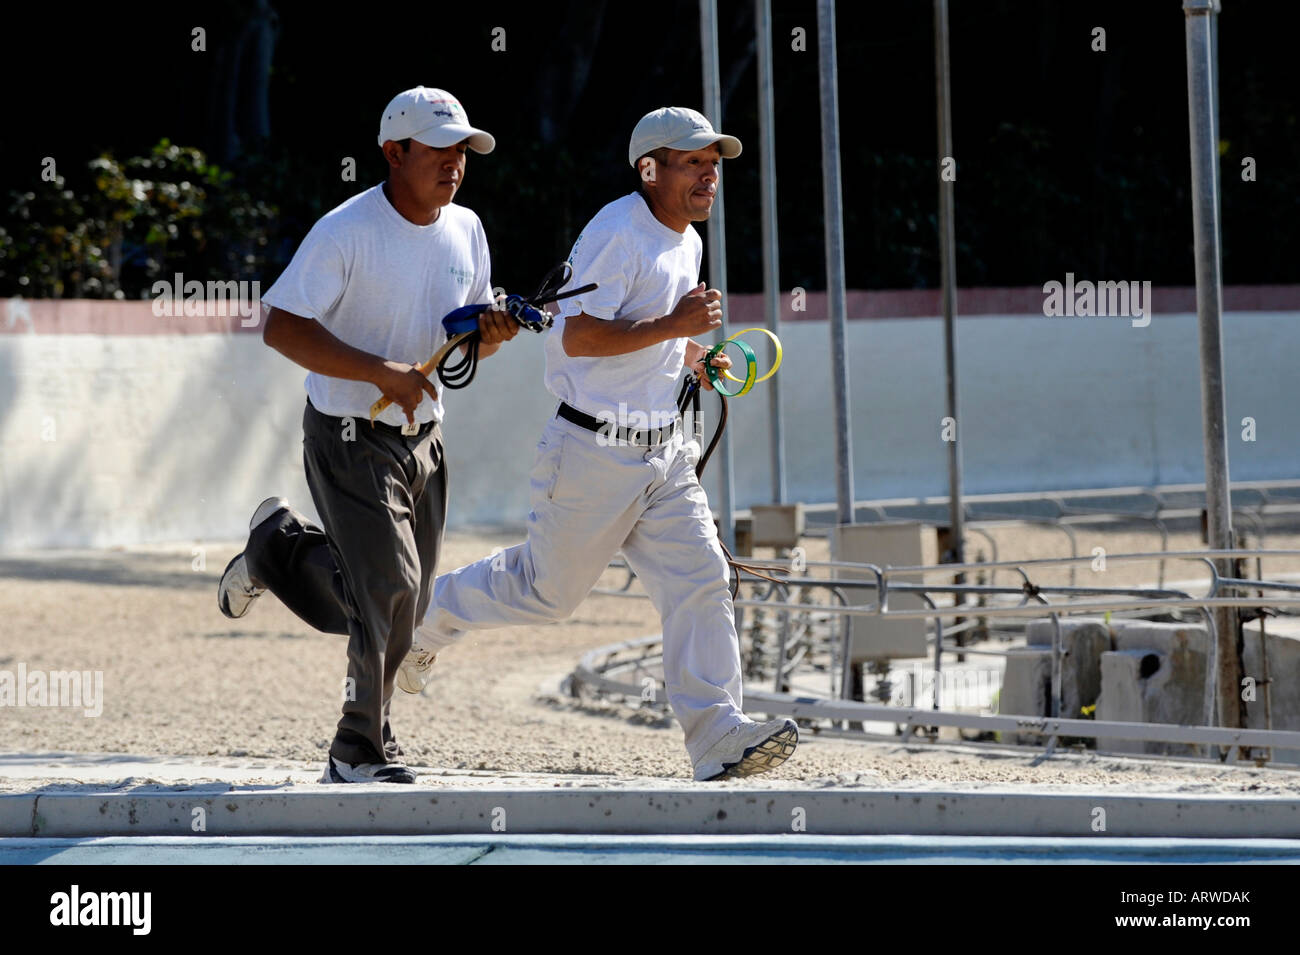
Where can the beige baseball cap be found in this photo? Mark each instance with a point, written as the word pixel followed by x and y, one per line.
pixel 677 128
pixel 433 117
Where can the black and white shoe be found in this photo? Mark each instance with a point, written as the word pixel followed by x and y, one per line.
pixel 337 771
pixel 748 749
pixel 236 592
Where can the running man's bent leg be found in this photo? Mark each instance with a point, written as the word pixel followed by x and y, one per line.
pixel 290 556
pixel 674 550
pixel 585 498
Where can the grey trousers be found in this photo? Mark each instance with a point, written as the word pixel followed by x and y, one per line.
pixel 369 572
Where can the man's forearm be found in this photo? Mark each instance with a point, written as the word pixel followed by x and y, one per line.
pixel 308 343
pixel 588 337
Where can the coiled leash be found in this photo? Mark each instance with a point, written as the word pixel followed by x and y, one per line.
pixel 690 396
pixel 461 326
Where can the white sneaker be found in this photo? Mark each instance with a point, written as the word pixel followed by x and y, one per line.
pixel 236 591
pixel 416 670
pixel 747 749
pixel 337 771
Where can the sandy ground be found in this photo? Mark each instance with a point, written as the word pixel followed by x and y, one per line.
pixel 181 679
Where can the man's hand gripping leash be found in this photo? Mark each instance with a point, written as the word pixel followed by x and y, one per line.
pixel 462 326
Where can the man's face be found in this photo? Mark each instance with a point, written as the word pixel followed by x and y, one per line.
pixel 432 174
pixel 685 186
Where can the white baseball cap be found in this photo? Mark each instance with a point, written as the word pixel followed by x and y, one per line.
pixel 433 117
pixel 677 128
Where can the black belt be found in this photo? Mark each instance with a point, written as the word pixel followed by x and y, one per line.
pixel 616 434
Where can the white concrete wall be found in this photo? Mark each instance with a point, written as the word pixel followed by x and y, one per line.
pixel 123 439
pixel 1044 404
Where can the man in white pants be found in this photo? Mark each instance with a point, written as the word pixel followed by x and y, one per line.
pixel 615 469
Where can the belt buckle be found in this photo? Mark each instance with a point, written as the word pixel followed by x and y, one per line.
pixel 410 428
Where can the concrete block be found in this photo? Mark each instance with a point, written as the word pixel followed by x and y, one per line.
pixel 905 544
pixel 1276 704
pixel 744 537
pixel 777 525
pixel 1083 641
pixel 1186 643
pixel 1121 696
pixel 1176 690
pixel 1026 688
pixel 1147 685
pixel 1159 671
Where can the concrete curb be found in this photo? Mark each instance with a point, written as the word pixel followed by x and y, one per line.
pixel 509 849
pixel 385 810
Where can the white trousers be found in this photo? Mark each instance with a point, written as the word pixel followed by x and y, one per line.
pixel 589 502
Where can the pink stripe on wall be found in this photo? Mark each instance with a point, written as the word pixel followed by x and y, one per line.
pixel 106 317
pixel 72 316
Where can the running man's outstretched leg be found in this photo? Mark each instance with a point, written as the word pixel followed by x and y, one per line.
pixel 675 552
pixel 585 498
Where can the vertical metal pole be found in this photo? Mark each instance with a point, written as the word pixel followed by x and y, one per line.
pixel 1218 163
pixel 834 217
pixel 770 241
pixel 1209 306
pixel 948 275
pixel 718 243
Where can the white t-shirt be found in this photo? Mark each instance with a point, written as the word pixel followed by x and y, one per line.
pixel 643 268
pixel 381 283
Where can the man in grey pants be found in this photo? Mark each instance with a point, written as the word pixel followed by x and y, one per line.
pixel 360 306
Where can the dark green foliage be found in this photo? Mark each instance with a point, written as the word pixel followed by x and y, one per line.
pixel 1067 159
pixel 120 225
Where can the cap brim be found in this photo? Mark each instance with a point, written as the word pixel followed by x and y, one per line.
pixel 449 134
pixel 729 146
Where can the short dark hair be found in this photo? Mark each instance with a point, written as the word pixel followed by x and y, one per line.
pixel 660 156
pixel 406 148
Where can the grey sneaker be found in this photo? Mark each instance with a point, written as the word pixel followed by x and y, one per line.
pixel 236 592
pixel 414 673
pixel 337 771
pixel 747 749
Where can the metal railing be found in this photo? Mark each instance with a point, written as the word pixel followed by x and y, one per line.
pixel 1029 600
